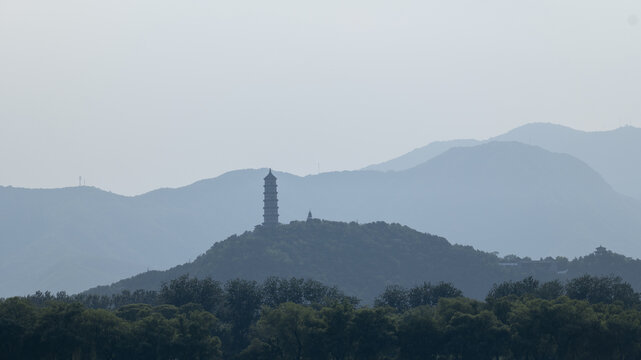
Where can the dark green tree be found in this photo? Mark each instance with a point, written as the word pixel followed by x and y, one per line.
pixel 292 332
pixel 17 317
pixel 372 333
pixel 338 319
pixel 428 294
pixel 243 300
pixel 194 338
pixel 527 286
pixel 608 290
pixel 476 336
pixel 183 290
pixel 395 297
pixel 419 336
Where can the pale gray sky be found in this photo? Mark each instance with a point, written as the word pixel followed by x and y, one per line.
pixel 139 94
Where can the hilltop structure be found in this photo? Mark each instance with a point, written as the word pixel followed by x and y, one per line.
pixel 270 207
pixel 600 251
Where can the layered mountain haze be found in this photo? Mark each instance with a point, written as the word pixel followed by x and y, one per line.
pixel 421 155
pixel 502 196
pixel 613 154
pixel 320 180
pixel 516 198
pixel 66 238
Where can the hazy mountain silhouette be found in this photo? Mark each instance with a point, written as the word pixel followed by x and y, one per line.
pixel 613 154
pixel 68 238
pixel 421 155
pixel 362 259
pixel 506 197
pixel 516 198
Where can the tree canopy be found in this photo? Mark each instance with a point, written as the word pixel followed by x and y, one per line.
pixel 362 259
pixel 584 318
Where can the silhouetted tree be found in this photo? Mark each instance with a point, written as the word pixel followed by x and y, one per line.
pixel 184 290
pixel 428 294
pixel 394 296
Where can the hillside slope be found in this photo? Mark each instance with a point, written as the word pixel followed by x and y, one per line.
pixel 67 239
pixel 363 259
pixel 421 155
pixel 506 197
pixel 501 196
pixel 613 154
pixel 515 198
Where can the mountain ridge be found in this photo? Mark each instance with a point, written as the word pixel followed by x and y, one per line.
pixel 362 259
pixel 537 210
pixel 598 149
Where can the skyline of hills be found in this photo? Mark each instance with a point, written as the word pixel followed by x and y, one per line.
pixel 611 153
pixel 362 259
pixel 504 196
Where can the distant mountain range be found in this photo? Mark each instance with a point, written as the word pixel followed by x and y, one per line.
pixel 363 259
pixel 614 154
pixel 499 196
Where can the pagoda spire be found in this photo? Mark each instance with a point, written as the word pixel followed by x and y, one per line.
pixel 270 207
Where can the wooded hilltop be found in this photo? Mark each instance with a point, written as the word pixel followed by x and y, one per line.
pixel 362 259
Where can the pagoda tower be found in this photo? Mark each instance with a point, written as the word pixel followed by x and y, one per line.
pixel 270 207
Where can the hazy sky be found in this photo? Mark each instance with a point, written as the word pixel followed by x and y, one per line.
pixel 139 94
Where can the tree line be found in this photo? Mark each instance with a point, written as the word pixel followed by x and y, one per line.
pixel 584 318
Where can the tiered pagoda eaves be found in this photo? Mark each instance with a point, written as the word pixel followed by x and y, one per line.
pixel 270 207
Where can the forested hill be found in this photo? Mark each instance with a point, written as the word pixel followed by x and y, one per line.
pixel 502 196
pixel 363 259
